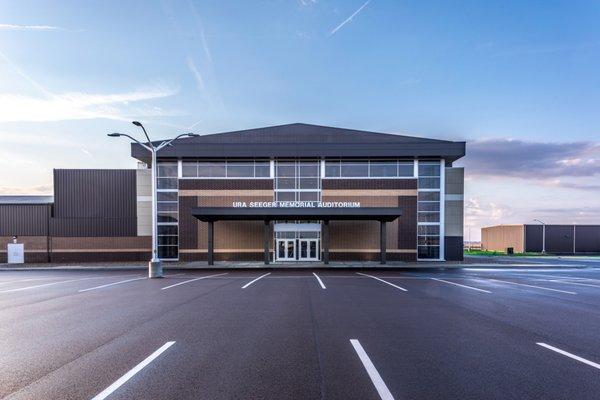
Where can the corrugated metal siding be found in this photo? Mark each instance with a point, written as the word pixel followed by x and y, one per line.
pixel 533 238
pixel 587 238
pixel 23 219
pixel 94 193
pixel 94 202
pixel 559 238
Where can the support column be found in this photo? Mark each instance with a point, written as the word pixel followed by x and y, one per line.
pixel 325 242
pixel 211 243
pixel 383 241
pixel 267 239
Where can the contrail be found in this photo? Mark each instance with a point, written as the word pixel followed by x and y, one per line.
pixel 337 28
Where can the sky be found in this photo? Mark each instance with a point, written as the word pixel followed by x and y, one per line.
pixel 517 80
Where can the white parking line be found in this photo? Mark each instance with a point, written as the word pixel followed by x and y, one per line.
pixel 570 283
pixel 47 284
pixel 464 286
pixel 382 389
pixel 524 284
pixel 379 279
pixel 119 382
pixel 254 280
pixel 28 280
pixel 320 281
pixel 111 284
pixel 192 280
pixel 573 356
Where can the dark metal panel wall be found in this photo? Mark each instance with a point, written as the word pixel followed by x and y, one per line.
pixel 94 193
pixel 94 202
pixel 559 238
pixel 24 219
pixel 587 239
pixel 453 248
pixel 533 238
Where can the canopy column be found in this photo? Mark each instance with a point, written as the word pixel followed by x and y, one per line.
pixel 211 243
pixel 383 241
pixel 266 240
pixel 325 242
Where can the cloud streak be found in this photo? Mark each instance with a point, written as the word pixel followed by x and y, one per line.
pixel 13 27
pixel 77 106
pixel 49 106
pixel 349 19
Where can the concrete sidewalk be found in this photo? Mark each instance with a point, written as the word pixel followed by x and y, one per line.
pixel 228 265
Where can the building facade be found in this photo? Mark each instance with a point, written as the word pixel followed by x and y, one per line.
pixel 285 193
pixel 535 238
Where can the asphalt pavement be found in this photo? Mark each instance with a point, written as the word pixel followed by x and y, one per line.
pixel 471 333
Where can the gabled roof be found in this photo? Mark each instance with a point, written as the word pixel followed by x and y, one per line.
pixel 305 140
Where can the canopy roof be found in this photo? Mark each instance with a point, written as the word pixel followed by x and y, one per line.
pixel 208 214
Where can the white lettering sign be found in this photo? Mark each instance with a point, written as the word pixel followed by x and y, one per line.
pixel 296 204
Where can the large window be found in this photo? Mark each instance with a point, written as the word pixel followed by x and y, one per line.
pixel 297 180
pixel 369 168
pixel 167 211
pixel 226 169
pixel 429 205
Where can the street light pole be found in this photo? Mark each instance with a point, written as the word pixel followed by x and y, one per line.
pixel 155 265
pixel 543 235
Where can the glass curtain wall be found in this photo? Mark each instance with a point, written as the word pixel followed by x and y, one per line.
pixel 168 211
pixel 428 210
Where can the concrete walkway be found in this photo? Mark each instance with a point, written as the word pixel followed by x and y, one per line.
pixel 483 262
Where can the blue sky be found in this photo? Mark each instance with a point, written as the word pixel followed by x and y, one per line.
pixel 518 80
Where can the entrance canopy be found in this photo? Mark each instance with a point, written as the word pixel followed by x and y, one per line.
pixel 268 214
pixel 211 214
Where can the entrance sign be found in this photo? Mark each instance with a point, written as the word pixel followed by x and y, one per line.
pixel 296 204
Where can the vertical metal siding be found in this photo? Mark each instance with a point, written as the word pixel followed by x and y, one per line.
pixel 94 202
pixel 24 219
pixel 94 193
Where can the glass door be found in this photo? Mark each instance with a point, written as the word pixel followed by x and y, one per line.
pixel 309 250
pixel 286 250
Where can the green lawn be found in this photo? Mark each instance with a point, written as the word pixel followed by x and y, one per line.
pixel 498 253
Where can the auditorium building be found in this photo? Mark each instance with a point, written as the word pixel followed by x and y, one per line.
pixel 279 194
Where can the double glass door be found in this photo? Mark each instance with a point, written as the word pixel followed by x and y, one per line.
pixel 297 250
pixel 309 250
pixel 286 249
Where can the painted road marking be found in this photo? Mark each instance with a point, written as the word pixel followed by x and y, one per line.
pixel 29 280
pixel 464 286
pixel 192 280
pixel 382 389
pixel 111 284
pixel 320 281
pixel 573 356
pixel 379 279
pixel 570 283
pixel 118 383
pixel 532 286
pixel 47 284
pixel 252 281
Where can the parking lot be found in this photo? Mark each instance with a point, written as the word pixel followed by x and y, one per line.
pixel 511 333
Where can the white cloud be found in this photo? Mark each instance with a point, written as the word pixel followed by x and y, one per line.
pixel 13 27
pixel 76 106
pixel 26 190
